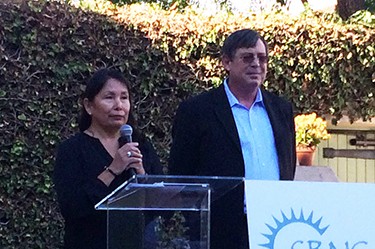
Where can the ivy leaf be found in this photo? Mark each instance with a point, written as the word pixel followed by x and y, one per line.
pixel 22 117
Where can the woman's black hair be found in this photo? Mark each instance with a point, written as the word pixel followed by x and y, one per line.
pixel 94 86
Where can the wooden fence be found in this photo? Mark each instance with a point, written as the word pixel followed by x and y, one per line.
pixel 349 169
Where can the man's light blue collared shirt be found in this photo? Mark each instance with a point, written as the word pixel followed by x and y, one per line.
pixel 256 137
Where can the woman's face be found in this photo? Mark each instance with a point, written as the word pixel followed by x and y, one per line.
pixel 110 107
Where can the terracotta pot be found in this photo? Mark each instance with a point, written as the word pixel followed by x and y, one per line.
pixel 305 155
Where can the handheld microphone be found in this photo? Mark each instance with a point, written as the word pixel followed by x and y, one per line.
pixel 126 132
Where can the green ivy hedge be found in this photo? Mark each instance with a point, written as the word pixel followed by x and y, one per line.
pixel 49 49
pixel 316 61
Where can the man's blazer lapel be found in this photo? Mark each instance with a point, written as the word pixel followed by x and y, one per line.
pixel 278 123
pixel 225 116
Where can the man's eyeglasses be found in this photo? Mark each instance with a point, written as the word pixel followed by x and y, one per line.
pixel 249 58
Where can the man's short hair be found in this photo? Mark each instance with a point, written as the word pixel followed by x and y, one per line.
pixel 243 38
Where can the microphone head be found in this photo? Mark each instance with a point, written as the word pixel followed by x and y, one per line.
pixel 126 130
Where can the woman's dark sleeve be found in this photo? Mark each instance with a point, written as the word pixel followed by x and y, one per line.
pixel 77 190
pixel 151 161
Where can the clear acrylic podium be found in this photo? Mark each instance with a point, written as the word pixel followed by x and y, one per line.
pixel 163 212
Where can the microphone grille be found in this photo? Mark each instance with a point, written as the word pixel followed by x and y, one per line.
pixel 126 130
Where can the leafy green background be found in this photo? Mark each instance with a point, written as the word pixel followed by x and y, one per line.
pixel 49 49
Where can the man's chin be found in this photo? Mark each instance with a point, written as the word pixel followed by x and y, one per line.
pixel 254 83
pixel 254 79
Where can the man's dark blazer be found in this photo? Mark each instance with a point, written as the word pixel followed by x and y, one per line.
pixel 206 143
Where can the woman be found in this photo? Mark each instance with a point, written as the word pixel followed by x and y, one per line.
pixel 91 164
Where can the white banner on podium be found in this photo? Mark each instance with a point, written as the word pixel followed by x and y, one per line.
pixel 310 215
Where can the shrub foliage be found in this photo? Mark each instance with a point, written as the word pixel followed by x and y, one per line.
pixel 49 49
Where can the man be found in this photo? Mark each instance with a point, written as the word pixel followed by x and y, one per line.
pixel 237 129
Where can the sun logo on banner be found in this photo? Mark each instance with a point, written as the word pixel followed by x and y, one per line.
pixel 280 224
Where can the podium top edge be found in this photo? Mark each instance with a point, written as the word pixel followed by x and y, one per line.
pixel 233 181
pixel 236 178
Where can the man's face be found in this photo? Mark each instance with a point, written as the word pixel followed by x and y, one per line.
pixel 248 67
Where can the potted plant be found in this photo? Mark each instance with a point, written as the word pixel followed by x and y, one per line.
pixel 310 131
